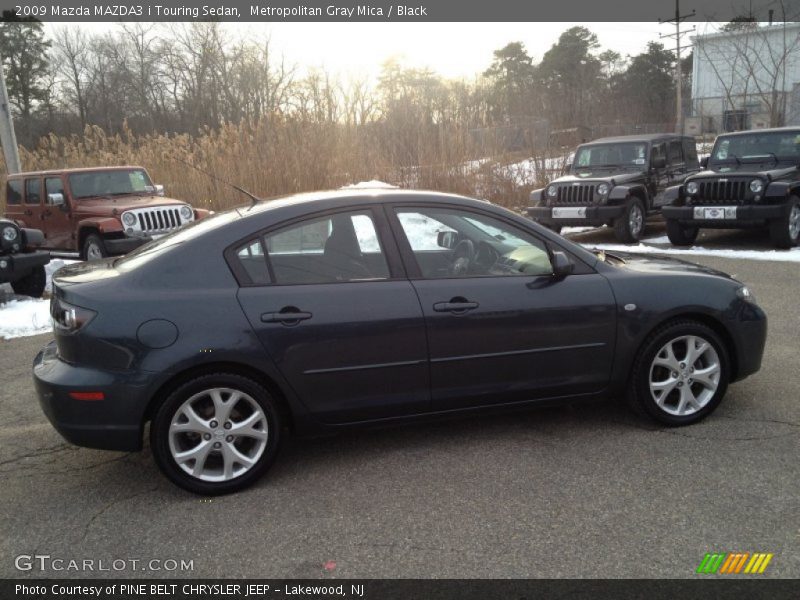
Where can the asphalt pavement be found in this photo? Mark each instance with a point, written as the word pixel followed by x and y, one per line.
pixel 576 491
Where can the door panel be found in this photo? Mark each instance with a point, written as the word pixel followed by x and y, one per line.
pixel 33 203
pixel 56 221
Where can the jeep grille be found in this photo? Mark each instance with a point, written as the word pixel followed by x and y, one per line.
pixel 161 219
pixel 715 191
pixel 574 194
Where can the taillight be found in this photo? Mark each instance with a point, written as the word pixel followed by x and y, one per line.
pixel 68 318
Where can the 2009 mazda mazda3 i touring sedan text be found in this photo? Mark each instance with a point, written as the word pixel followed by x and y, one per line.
pixel 320 311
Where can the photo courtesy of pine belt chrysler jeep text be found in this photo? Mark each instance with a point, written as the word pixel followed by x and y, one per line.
pixel 322 311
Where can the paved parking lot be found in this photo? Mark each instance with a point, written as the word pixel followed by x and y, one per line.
pixel 584 491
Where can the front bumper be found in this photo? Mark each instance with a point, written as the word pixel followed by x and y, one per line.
pixel 749 334
pixel 18 266
pixel 114 423
pixel 586 215
pixel 747 215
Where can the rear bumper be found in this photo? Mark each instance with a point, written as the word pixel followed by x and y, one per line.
pixel 18 266
pixel 125 245
pixel 114 423
pixel 746 216
pixel 590 215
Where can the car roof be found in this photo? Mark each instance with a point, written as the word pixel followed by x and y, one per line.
pixel 644 137
pixel 71 171
pixel 771 130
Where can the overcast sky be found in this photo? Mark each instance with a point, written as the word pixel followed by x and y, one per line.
pixel 455 50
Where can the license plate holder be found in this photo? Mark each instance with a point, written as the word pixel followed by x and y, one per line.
pixel 711 213
pixel 569 212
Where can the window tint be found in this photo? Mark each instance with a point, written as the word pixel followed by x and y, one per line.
pixel 252 258
pixel 14 192
pixel 52 185
pixel 675 152
pixel 33 191
pixel 477 245
pixel 340 247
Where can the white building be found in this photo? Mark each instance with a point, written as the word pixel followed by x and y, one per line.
pixel 746 79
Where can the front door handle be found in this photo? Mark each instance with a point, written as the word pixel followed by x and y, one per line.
pixel 457 306
pixel 289 315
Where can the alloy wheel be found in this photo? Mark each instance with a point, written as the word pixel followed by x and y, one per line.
pixel 635 220
pixel 93 252
pixel 794 222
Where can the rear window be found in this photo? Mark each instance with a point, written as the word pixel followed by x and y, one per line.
pixel 14 191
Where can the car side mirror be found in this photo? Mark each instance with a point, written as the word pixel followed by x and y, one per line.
pixel 446 239
pixel 159 189
pixel 562 265
pixel 568 167
pixel 704 162
pixel 56 199
pixel 659 162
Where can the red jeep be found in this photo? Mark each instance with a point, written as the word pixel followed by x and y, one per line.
pixel 95 212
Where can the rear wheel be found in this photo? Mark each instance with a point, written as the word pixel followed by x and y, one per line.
pixel 681 235
pixel 94 248
pixel 681 373
pixel 32 284
pixel 785 231
pixel 629 227
pixel 216 434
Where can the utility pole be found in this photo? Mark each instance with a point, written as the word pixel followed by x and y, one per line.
pixel 678 19
pixel 8 138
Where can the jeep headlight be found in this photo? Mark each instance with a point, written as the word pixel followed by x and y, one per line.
pixel 128 219
pixel 602 189
pixel 551 191
pixel 756 186
pixel 186 212
pixel 692 187
pixel 10 233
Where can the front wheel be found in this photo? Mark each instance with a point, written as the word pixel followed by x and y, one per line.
pixel 681 373
pixel 216 434
pixel 785 231
pixel 629 227
pixel 32 284
pixel 681 235
pixel 94 248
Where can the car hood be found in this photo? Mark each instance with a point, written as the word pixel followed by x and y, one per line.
pixel 603 175
pixel 745 170
pixel 119 204
pixel 658 264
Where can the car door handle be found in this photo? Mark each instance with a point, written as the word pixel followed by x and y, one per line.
pixel 286 317
pixel 456 306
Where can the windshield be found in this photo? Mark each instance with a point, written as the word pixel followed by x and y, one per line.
pixel 110 183
pixel 758 147
pixel 626 154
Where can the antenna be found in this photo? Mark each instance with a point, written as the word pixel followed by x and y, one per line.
pixel 253 198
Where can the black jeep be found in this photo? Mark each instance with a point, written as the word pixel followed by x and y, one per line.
pixel 20 264
pixel 751 179
pixel 616 181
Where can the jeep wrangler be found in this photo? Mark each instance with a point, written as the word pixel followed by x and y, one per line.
pixel 21 264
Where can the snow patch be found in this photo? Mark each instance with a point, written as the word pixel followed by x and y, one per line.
pixel 566 230
pixel 771 255
pixel 372 184
pixel 20 318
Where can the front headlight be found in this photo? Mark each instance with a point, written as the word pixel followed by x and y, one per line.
pixel 602 189
pixel 186 212
pixel 10 233
pixel 756 186
pixel 692 187
pixel 745 294
pixel 128 219
pixel 551 191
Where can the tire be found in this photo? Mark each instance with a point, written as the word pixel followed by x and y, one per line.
pixel 784 232
pixel 681 235
pixel 670 399
pixel 630 226
pixel 32 284
pixel 93 248
pixel 172 433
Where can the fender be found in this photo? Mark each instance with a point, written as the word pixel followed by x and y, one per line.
pixel 781 189
pixel 673 194
pixel 102 224
pixel 536 197
pixel 622 192
pixel 202 213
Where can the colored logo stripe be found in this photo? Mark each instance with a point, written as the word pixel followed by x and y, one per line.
pixel 734 562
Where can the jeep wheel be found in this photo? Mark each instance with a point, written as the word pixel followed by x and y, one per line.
pixel 32 284
pixel 94 248
pixel 629 227
pixel 785 231
pixel 681 235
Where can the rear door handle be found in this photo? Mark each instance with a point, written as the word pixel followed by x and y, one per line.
pixel 456 306
pixel 286 316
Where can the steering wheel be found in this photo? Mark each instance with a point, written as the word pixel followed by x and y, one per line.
pixel 463 256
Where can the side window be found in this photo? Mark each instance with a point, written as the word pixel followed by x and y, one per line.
pixel 52 185
pixel 252 258
pixel 336 248
pixel 453 243
pixel 690 151
pixel 33 191
pixel 14 191
pixel 675 152
pixel 657 152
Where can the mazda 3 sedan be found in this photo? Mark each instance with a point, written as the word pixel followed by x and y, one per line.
pixel 317 312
